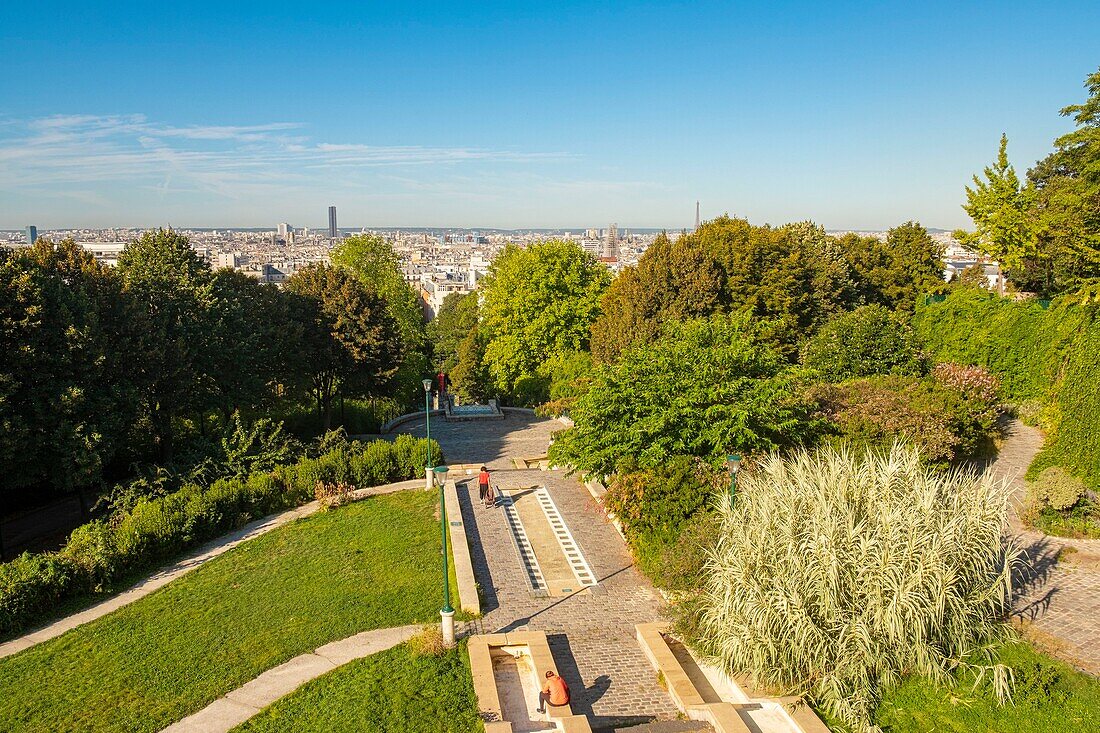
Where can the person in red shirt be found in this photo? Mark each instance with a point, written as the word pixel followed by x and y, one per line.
pixel 555 691
pixel 485 491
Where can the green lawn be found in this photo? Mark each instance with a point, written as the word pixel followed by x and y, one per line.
pixel 394 690
pixel 1050 698
pixel 368 565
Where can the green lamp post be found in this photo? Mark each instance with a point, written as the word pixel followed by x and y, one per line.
pixel 733 463
pixel 427 434
pixel 447 613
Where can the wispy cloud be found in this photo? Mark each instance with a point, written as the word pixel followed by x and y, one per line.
pixel 232 161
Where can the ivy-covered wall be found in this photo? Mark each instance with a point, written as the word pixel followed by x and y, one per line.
pixel 1046 357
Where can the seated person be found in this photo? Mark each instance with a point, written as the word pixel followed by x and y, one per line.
pixel 555 691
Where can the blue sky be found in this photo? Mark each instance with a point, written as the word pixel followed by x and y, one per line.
pixel 523 114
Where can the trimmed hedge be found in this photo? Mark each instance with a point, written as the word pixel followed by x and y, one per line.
pixel 1049 356
pixel 100 553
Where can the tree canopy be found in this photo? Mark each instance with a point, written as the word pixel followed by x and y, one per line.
pixel 705 388
pixel 351 344
pixel 1045 231
pixel 537 302
pixel 790 279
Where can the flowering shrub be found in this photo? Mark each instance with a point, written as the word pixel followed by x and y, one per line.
pixel 947 422
pixel 975 382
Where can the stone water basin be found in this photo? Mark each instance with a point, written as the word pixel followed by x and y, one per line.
pixel 518 688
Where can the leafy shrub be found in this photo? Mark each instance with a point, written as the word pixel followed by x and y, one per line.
pixel 658 501
pixel 94 553
pixel 569 373
pixel 678 565
pixel 1050 356
pixel 155 528
pixel 1056 488
pixel 705 388
pixel 834 574
pixel 1037 685
pixel 261 446
pixel 867 341
pixel 375 464
pixel 30 584
pixel 530 390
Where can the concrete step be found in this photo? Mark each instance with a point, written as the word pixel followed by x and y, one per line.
pixel 663 726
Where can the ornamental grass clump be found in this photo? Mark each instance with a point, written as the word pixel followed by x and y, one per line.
pixel 835 574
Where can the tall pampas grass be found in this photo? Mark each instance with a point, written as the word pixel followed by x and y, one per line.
pixel 836 574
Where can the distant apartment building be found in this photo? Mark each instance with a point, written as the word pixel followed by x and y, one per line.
pixel 229 259
pixel 105 253
pixel 435 288
pixel 32 235
pixel 465 239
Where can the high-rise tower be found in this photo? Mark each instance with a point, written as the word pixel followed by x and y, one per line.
pixel 32 235
pixel 332 222
pixel 696 216
pixel 611 245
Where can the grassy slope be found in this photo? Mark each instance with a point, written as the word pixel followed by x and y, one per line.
pixel 369 565
pixel 1064 700
pixel 394 691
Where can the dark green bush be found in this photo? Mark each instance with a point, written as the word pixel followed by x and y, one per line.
pixel 30 584
pixel 867 341
pixel 157 528
pixel 1050 356
pixel 665 514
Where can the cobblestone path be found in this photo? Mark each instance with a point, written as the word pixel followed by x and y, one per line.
pixel 591 633
pixel 1059 594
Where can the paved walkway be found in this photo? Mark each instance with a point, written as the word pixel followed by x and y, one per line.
pixel 234 708
pixel 591 632
pixel 202 555
pixel 1059 594
pixel 491 442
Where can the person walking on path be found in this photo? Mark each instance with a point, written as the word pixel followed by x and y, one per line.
pixel 485 489
pixel 554 691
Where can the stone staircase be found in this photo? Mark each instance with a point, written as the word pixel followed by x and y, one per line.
pixel 662 726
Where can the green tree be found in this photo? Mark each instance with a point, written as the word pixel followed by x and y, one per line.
pixel 1066 186
pixel 171 286
pixel 251 341
pixel 373 260
pixel 454 322
pixel 351 345
pixel 790 279
pixel 704 388
pixel 895 272
pixel 538 301
pixel 67 397
pixel 1001 209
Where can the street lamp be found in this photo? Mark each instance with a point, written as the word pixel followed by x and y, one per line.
pixel 427 434
pixel 446 614
pixel 733 463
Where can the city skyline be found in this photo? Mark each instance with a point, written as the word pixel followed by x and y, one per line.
pixel 523 117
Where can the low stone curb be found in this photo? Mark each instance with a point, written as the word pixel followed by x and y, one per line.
pixel 402 419
pixel 237 706
pixel 196 559
pixel 460 552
